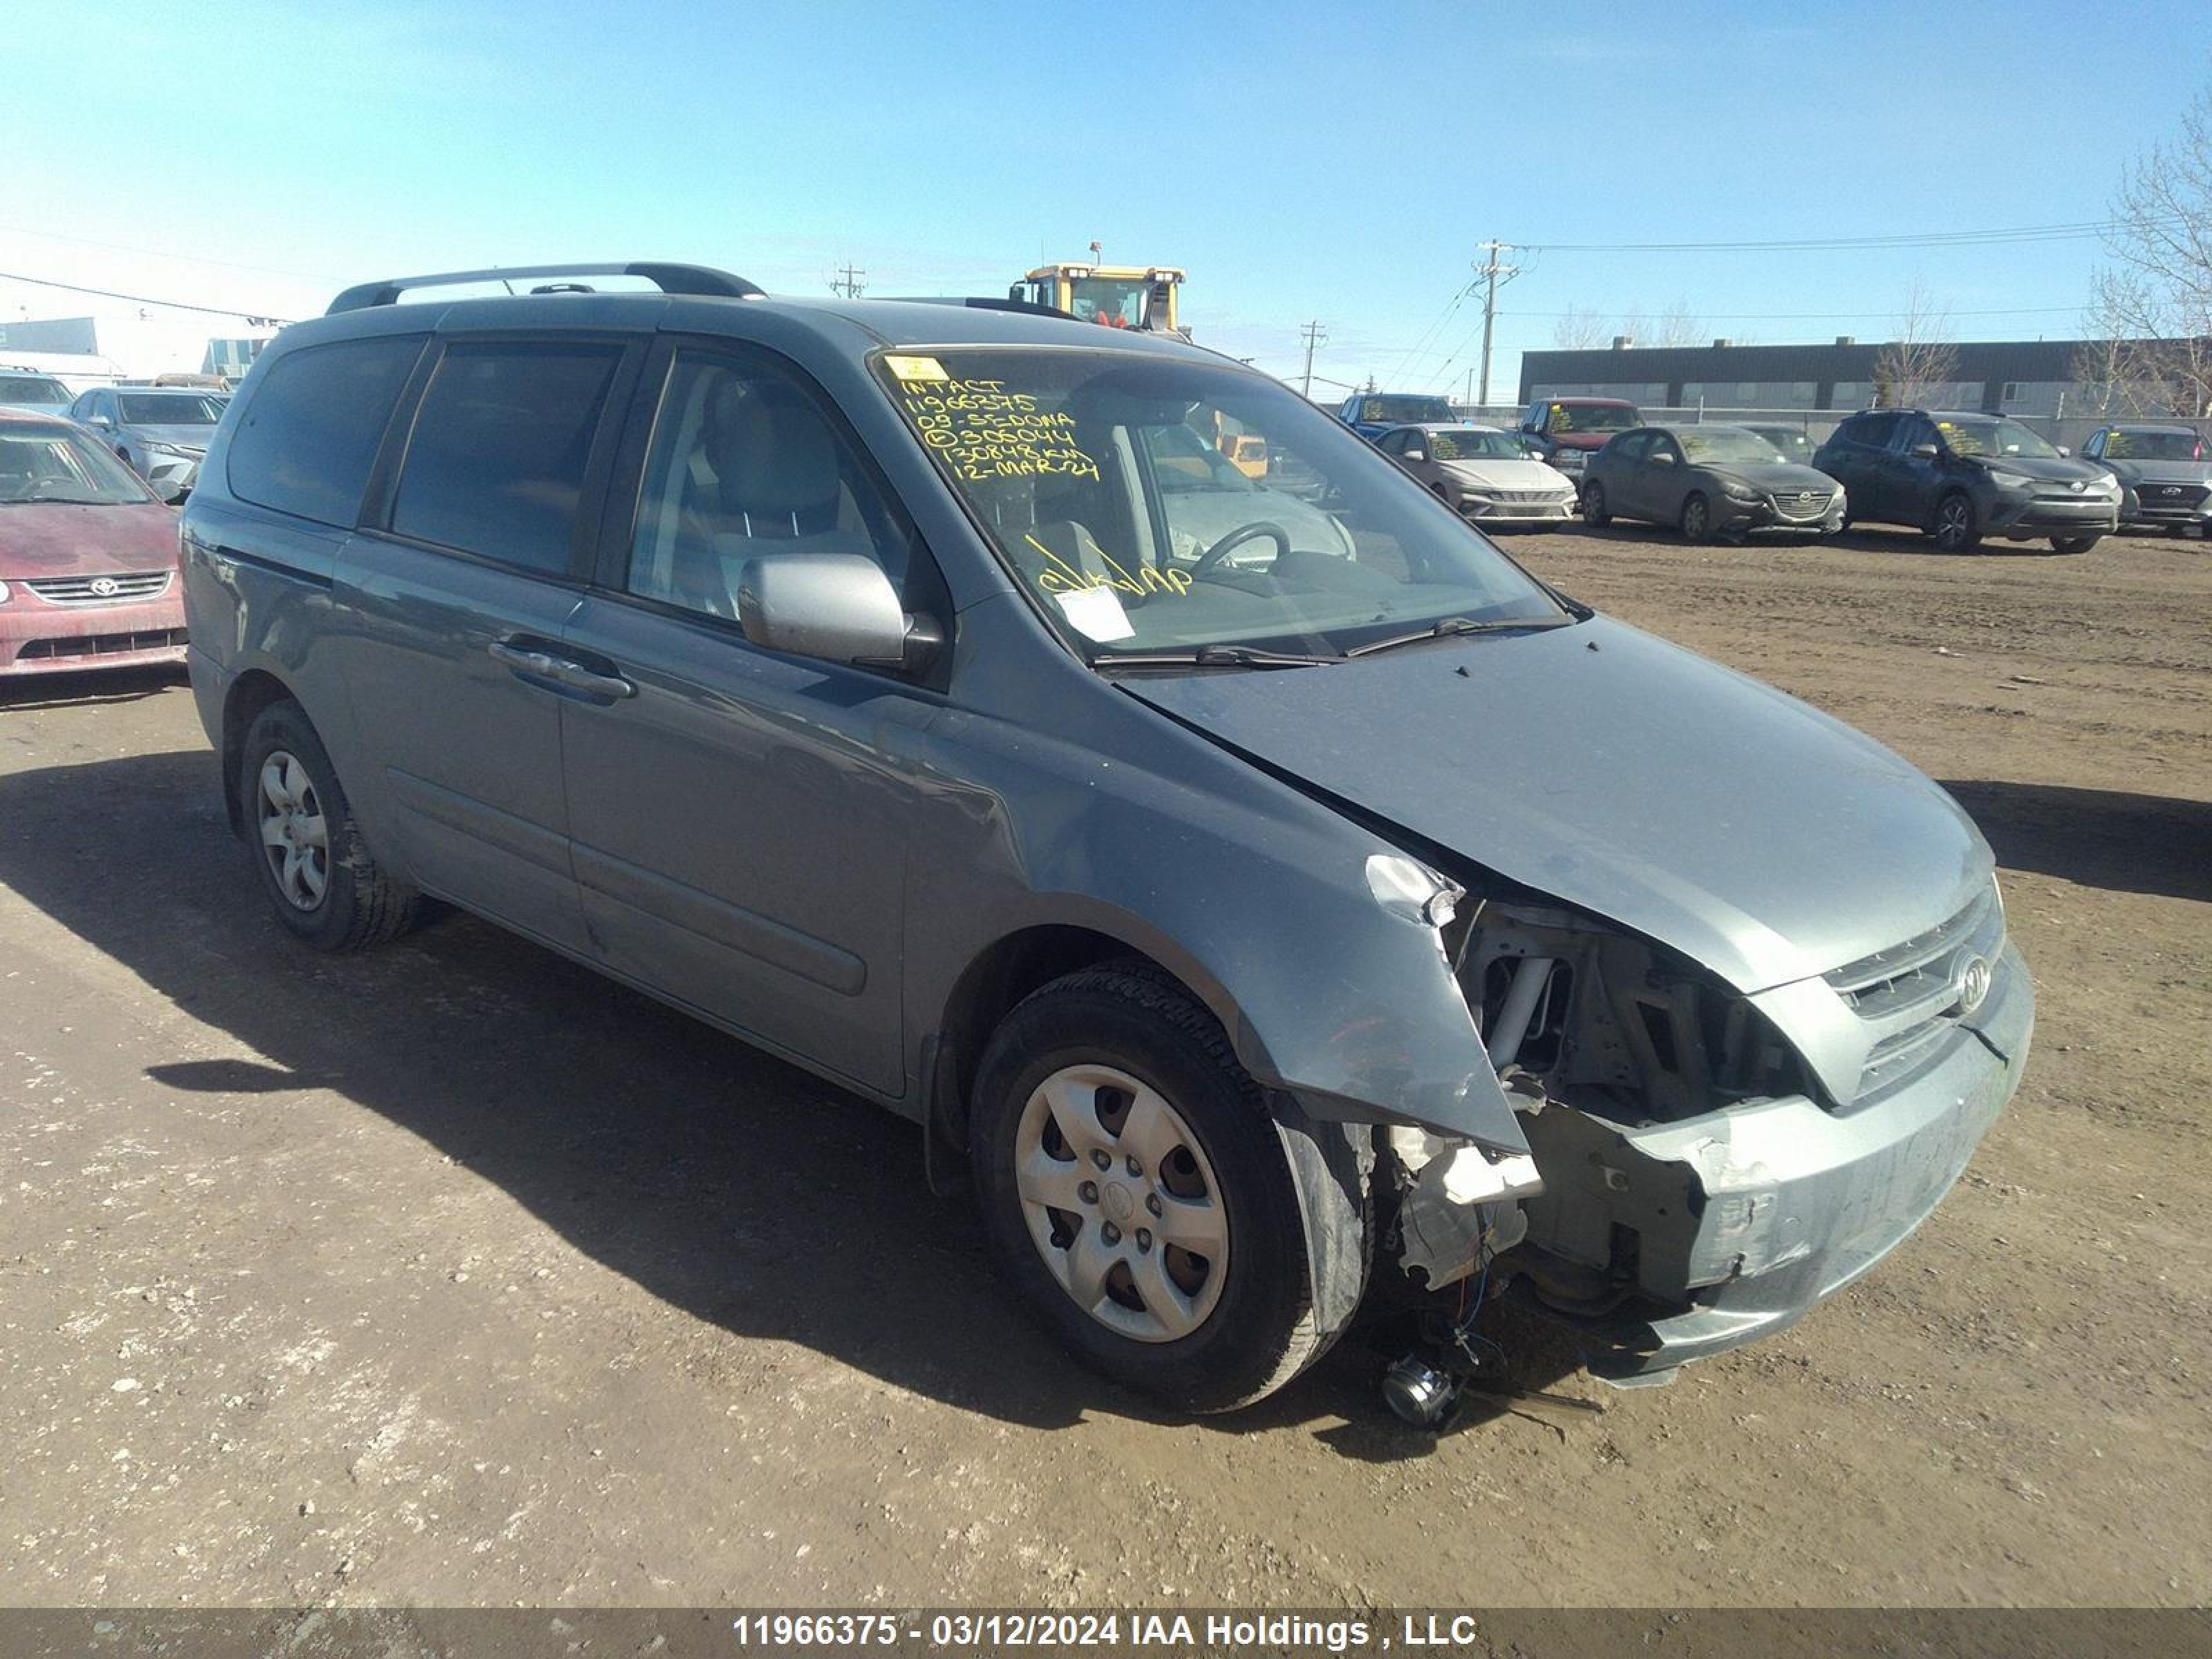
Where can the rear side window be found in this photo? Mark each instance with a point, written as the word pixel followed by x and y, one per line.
pixel 306 442
pixel 496 465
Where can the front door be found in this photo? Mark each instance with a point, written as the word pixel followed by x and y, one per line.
pixel 455 599
pixel 739 816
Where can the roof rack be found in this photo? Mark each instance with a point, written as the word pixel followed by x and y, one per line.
pixel 670 279
pixel 983 303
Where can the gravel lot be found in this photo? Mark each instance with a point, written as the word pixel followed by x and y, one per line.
pixel 453 1274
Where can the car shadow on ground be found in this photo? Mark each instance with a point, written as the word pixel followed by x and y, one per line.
pixel 742 1190
pixel 81 689
pixel 2108 838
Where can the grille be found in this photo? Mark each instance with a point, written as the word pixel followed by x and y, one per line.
pixel 1524 497
pixel 102 590
pixel 1910 991
pixel 2169 498
pixel 101 645
pixel 1802 504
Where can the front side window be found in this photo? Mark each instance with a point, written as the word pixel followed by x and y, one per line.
pixel 1085 470
pixel 745 465
pixel 495 464
pixel 42 463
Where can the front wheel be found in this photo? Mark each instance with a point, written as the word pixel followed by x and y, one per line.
pixel 1148 1207
pixel 2074 544
pixel 1697 523
pixel 1593 508
pixel 1956 529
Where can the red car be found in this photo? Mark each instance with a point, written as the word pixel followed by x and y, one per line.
pixel 88 576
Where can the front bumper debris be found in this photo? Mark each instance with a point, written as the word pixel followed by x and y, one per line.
pixel 1734 1224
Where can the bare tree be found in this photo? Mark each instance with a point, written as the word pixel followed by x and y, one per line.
pixel 1636 327
pixel 1679 327
pixel 1921 360
pixel 1576 330
pixel 2154 303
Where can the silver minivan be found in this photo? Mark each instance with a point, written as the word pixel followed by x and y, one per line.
pixel 1256 908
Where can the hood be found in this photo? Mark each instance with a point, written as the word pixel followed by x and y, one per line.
pixel 1505 475
pixel 2180 472
pixel 62 538
pixel 194 438
pixel 2051 469
pixel 1772 476
pixel 1627 777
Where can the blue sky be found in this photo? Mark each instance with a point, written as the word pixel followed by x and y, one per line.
pixel 1301 160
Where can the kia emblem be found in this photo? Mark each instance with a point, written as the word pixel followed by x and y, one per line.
pixel 1973 985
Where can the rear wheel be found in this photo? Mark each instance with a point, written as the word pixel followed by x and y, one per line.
pixel 1145 1203
pixel 1593 508
pixel 1696 521
pixel 1956 529
pixel 2074 544
pixel 318 876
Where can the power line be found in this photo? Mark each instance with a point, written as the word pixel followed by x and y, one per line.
pixel 1824 316
pixel 170 253
pixel 2080 230
pixel 846 280
pixel 250 317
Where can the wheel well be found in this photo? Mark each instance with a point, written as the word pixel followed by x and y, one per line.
pixel 988 991
pixel 251 693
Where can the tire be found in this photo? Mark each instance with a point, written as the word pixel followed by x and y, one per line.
pixel 1287 1198
pixel 1697 521
pixel 1957 529
pixel 1593 505
pixel 357 904
pixel 2074 544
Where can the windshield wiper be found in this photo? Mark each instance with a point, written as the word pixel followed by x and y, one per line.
pixel 1450 625
pixel 1209 656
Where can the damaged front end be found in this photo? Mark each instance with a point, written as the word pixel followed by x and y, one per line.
pixel 1703 1162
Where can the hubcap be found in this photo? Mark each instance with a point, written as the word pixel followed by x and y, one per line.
pixel 294 834
pixel 1694 518
pixel 1121 1203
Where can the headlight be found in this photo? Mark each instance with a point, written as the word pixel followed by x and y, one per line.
pixel 3 592
pixel 1737 490
pixel 2010 480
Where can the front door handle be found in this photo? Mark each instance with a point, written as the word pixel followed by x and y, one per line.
pixel 580 678
pixel 525 660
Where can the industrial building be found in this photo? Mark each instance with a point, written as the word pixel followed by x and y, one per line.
pixel 2011 377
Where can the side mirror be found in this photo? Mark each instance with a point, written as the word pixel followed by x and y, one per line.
pixel 837 606
pixel 1663 458
pixel 2063 450
pixel 1413 455
pixel 98 420
pixel 1925 452
pixel 173 490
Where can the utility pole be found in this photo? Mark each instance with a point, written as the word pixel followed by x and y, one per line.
pixel 1493 272
pixel 1314 335
pixel 847 281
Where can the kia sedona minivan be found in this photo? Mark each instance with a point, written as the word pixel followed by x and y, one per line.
pixel 1256 907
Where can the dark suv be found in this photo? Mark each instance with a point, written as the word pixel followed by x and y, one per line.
pixel 1961 476
pixel 1567 431
pixel 1372 413
pixel 866 679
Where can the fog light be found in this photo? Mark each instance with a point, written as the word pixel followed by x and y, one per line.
pixel 1418 1393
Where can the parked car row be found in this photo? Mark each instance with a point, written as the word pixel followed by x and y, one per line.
pixel 1961 476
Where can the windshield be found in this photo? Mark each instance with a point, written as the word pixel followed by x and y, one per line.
pixel 1404 409
pixel 1118 304
pixel 2122 445
pixel 1992 438
pixel 1467 443
pixel 1724 443
pixel 47 463
pixel 171 408
pixel 1791 440
pixel 1090 473
pixel 1593 418
pixel 33 390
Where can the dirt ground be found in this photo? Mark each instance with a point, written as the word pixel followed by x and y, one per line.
pixel 453 1274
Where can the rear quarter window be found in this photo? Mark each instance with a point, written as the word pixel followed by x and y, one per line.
pixel 305 443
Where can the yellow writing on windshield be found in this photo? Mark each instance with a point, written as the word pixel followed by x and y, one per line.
pixel 1065 578
pixel 983 432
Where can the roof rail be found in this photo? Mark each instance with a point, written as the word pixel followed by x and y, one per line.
pixel 670 279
